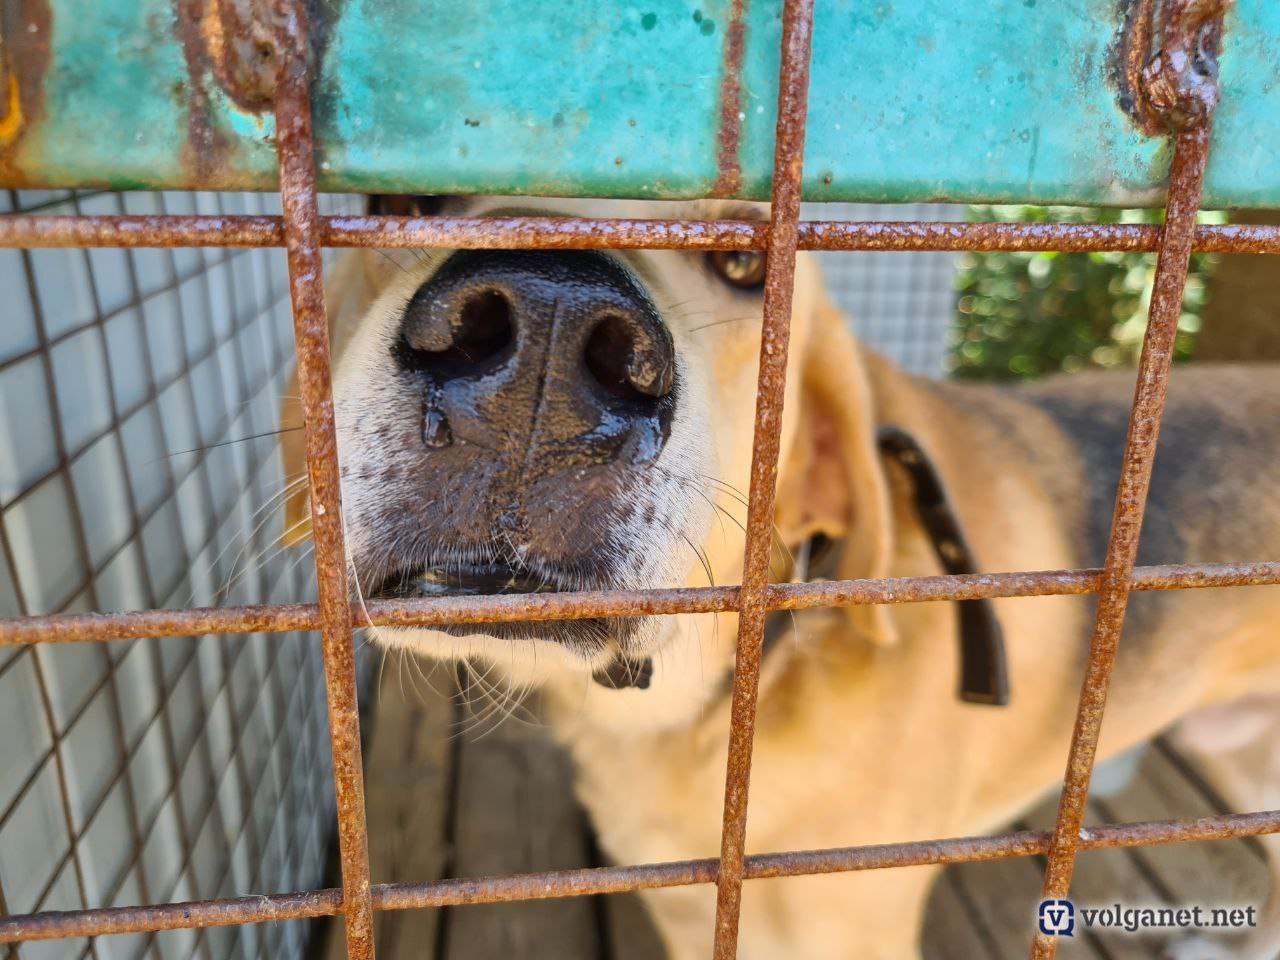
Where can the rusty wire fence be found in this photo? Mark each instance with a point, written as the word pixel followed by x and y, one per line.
pixel 1180 96
pixel 151 770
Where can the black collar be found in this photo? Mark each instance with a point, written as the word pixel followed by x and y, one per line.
pixel 983 671
pixel 984 676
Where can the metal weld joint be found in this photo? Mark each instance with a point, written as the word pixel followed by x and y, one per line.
pixel 1180 80
pixel 242 39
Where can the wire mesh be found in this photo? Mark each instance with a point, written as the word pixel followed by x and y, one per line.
pixel 126 770
pixel 1185 107
pixel 900 305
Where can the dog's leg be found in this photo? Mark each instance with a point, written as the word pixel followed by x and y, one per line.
pixel 1236 746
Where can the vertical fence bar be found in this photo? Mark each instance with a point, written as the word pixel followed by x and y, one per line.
pixel 306 288
pixel 784 218
pixel 1185 182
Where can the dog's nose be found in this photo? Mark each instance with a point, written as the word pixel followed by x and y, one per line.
pixel 553 358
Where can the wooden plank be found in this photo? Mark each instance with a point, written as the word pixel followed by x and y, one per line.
pixel 407 797
pixel 1002 896
pixel 954 928
pixel 1000 899
pixel 1224 871
pixel 1106 876
pixel 517 813
pixel 999 896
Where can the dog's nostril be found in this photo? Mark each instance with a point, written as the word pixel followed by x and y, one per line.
pixel 483 326
pixel 625 362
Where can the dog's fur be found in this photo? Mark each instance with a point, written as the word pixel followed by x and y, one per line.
pixel 861 738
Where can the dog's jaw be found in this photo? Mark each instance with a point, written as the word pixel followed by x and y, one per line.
pixel 690 656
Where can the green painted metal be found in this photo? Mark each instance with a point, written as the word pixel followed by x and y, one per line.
pixel 1006 100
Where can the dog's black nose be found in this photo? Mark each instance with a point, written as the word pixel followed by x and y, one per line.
pixel 553 359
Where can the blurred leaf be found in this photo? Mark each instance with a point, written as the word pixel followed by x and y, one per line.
pixel 1025 315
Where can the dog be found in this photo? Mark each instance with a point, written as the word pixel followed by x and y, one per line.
pixel 522 421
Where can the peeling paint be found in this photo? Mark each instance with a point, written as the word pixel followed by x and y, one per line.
pixel 911 100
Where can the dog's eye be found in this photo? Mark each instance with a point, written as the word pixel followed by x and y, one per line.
pixel 404 205
pixel 739 268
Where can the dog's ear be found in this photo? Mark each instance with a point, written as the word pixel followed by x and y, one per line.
pixel 351 290
pixel 832 481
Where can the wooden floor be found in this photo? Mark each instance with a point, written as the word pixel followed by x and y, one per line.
pixel 496 800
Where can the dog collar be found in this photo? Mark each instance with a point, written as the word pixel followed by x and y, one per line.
pixel 983 671
pixel 984 675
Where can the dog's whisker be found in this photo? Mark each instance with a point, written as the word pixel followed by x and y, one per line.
pixel 498 704
pixel 702 558
pixel 289 487
pixel 721 323
pixel 273 500
pixel 393 261
pixel 259 559
pixel 226 443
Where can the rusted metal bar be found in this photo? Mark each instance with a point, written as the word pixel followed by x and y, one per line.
pixel 1186 103
pixel 157 230
pixel 729 135
pixel 74 627
pixel 1027 237
pixel 295 146
pixel 574 233
pixel 604 880
pixel 779 283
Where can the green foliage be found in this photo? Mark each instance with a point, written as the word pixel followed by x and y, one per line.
pixel 1023 315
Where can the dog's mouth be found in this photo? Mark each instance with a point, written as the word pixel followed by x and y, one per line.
pixel 589 637
pixel 468 579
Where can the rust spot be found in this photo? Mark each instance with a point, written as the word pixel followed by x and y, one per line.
pixel 78 627
pixel 295 147
pixel 205 143
pixel 729 138
pixel 775 329
pixel 24 60
pixel 404 228
pixel 10 106
pixel 1129 56
pixel 240 37
pixel 233 44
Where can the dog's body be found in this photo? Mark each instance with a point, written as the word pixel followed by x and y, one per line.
pixel 861 738
pixel 859 745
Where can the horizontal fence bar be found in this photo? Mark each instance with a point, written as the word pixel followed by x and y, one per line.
pixel 603 880
pixel 501 608
pixel 569 233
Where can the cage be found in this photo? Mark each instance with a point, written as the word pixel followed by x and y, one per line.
pixel 284 51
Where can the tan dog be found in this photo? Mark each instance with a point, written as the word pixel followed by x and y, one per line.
pixel 523 421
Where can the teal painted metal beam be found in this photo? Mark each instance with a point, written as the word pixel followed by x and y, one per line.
pixel 1007 100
